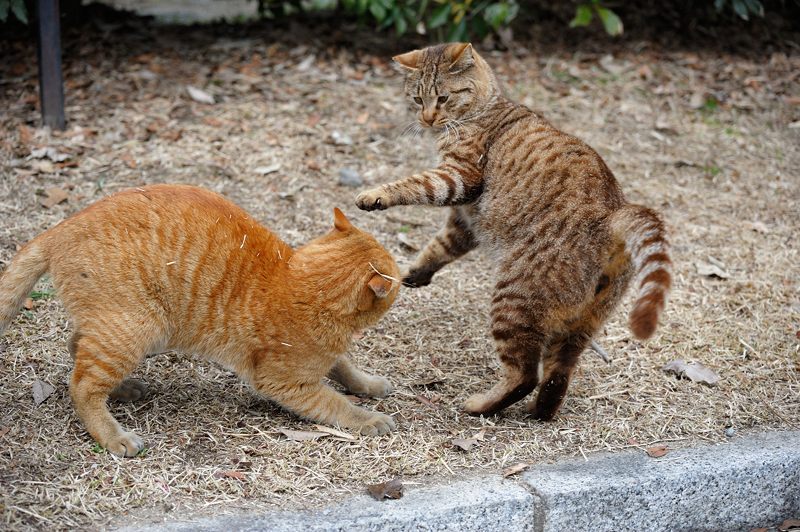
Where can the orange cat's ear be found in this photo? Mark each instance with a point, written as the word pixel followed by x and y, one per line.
pixel 461 57
pixel 380 285
pixel 409 60
pixel 340 221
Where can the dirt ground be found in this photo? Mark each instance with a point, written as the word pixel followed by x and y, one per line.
pixel 709 136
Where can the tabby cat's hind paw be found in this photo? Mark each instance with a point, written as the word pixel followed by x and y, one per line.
pixel 377 425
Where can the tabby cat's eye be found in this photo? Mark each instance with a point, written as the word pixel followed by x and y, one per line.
pixel 443 98
pixel 418 100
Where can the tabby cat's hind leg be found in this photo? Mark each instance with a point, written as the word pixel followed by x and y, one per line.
pixel 519 344
pixel 559 365
pixel 453 241
pixel 101 363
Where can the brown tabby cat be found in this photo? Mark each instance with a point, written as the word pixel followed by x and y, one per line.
pixel 566 241
pixel 183 268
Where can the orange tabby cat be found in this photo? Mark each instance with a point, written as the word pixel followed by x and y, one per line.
pixel 183 268
pixel 566 241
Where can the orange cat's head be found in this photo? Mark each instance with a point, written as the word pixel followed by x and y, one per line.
pixel 351 272
pixel 447 83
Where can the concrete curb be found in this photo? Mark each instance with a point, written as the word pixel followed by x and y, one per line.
pixel 750 482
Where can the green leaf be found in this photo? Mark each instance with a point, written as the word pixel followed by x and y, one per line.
pixel 741 9
pixel 458 32
pixel 377 10
pixel 439 16
pixel 496 15
pixel 18 8
pixel 4 4
pixel 400 23
pixel 583 16
pixel 611 22
pixel 719 4
pixel 755 7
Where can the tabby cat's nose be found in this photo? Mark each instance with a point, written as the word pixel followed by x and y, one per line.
pixel 429 116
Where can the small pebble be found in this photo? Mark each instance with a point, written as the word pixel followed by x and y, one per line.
pixel 730 431
pixel 341 139
pixel 350 178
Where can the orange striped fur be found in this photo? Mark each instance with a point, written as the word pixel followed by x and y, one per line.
pixel 178 267
pixel 566 241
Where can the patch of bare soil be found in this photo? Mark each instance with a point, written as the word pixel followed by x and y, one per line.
pixel 710 139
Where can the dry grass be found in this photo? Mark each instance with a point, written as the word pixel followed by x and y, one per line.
pixel 725 178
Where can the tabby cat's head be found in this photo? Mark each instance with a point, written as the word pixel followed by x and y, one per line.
pixel 447 83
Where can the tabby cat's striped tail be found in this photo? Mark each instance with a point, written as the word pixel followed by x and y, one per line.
pixel 645 240
pixel 19 278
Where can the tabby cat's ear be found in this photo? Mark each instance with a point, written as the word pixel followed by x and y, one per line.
pixel 409 60
pixel 380 285
pixel 461 57
pixel 340 221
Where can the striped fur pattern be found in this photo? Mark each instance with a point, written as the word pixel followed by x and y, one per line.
pixel 566 241
pixel 178 267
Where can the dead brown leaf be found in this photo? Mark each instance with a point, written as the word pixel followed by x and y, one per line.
pixel 53 196
pixel 41 391
pixel 406 242
pixel 759 529
pixel 313 120
pixel 392 489
pixel 334 432
pixel 711 270
pixel 514 469
pixel 238 475
pixel 464 444
pixel 789 524
pixel 657 451
pixel 425 401
pixel 429 381
pixel 302 435
pixel 693 371
pixel 362 118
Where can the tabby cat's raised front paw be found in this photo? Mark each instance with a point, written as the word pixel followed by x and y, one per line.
pixel 377 425
pixel 372 200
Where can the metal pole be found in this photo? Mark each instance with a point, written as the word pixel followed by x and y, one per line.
pixel 51 88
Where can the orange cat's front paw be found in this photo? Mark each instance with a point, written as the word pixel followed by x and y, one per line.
pixel 377 425
pixel 125 444
pixel 372 200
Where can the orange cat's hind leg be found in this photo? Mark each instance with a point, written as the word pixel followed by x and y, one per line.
pixel 128 390
pixel 519 345
pixel 557 372
pixel 101 363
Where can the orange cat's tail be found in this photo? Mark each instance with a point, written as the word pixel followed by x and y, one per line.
pixel 17 281
pixel 645 240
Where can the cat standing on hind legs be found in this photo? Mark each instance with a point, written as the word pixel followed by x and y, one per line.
pixel 183 268
pixel 547 205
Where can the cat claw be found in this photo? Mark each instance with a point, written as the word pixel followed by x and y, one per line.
pixel 367 202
